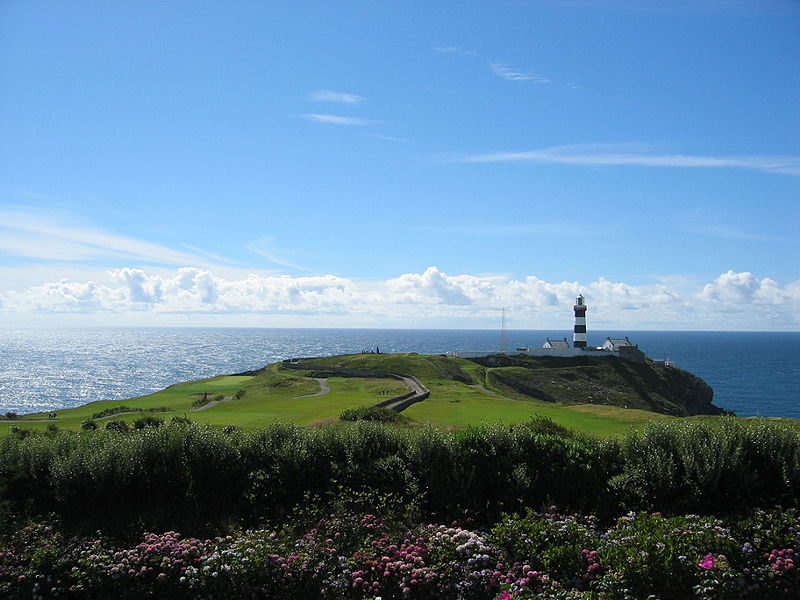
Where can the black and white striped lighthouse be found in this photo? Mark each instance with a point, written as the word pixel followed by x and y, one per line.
pixel 579 334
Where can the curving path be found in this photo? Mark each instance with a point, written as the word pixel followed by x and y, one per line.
pixel 418 393
pixel 212 403
pixel 324 388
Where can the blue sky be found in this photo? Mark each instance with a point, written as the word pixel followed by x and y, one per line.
pixel 414 164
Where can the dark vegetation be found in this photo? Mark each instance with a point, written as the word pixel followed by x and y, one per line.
pixel 126 409
pixel 345 512
pixel 601 380
pixel 202 480
pixel 373 413
pixel 207 399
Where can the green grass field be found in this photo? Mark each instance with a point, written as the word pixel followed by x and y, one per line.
pixel 457 405
pixel 462 394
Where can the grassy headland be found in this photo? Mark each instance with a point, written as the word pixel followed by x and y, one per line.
pixel 600 396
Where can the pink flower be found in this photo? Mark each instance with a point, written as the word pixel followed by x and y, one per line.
pixel 504 596
pixel 707 562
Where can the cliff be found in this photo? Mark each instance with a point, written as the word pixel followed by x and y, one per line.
pixel 601 380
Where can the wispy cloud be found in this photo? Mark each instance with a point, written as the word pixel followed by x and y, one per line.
pixel 54 235
pixel 340 97
pixel 728 232
pixel 510 74
pixel 728 7
pixel 388 138
pixel 265 247
pixel 454 50
pixel 595 156
pixel 336 119
pixel 523 230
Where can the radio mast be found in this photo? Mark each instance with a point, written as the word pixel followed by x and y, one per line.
pixel 503 333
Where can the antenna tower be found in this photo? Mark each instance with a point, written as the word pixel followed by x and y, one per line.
pixel 503 333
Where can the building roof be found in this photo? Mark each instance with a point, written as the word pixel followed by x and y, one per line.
pixel 556 343
pixel 619 342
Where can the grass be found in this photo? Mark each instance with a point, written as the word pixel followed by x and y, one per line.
pixel 455 404
pixel 463 393
pixel 271 396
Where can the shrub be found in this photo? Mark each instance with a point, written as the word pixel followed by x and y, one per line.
pixel 88 425
pixel 549 542
pixel 207 478
pixel 720 465
pixel 240 394
pixel 148 421
pixel 372 413
pixel 117 425
pixel 106 412
pixel 20 432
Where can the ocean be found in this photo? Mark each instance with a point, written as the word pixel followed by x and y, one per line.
pixel 752 373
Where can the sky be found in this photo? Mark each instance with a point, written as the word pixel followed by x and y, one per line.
pixel 406 164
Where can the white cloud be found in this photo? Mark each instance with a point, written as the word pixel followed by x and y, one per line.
pixel 265 247
pixel 340 97
pixel 432 298
pixel 506 72
pixel 728 232
pixel 594 156
pixel 744 290
pixel 336 119
pixel 454 50
pixel 57 236
pixel 519 230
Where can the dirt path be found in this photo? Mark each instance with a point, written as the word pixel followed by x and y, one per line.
pixel 324 388
pixel 212 403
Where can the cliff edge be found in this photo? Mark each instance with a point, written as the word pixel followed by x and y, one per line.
pixel 601 380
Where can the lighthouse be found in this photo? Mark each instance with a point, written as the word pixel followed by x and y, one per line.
pixel 579 334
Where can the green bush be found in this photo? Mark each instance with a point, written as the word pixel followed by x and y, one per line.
pixel 88 425
pixel 201 477
pixel 106 412
pixel 549 542
pixel 148 421
pixel 715 466
pixel 372 413
pixel 117 425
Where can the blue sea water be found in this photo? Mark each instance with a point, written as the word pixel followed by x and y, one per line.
pixel 753 374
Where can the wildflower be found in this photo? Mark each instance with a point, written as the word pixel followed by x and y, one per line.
pixel 707 562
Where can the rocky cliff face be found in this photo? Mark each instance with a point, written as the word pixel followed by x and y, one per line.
pixel 601 380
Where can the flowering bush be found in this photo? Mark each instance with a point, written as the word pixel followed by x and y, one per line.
pixel 348 556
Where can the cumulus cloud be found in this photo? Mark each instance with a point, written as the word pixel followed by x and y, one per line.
pixel 428 299
pixel 733 288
